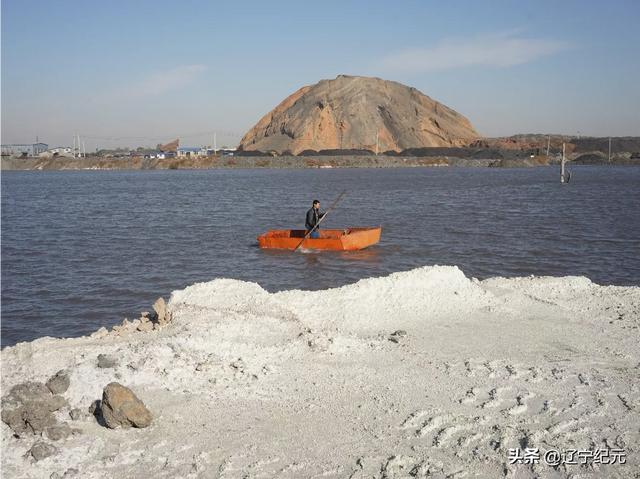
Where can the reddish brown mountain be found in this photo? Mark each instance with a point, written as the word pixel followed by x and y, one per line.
pixel 358 113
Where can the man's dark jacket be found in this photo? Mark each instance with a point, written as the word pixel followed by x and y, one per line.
pixel 313 216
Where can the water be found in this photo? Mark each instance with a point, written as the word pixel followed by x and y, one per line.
pixel 82 250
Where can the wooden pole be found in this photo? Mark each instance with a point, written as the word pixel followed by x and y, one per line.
pixel 548 144
pixel 562 166
pixel 609 149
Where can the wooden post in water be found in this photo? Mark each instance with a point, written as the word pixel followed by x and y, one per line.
pixel 562 166
pixel 548 145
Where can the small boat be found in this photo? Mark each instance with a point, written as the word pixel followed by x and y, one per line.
pixel 349 239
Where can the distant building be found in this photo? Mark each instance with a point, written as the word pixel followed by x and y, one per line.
pixel 16 149
pixel 161 155
pixel 61 150
pixel 204 151
pixel 66 151
pixel 184 151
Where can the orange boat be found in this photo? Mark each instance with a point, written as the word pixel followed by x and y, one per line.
pixel 350 239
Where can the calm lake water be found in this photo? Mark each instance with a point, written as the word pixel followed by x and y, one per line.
pixel 82 250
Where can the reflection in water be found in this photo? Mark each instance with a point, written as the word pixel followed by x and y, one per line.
pixel 369 255
pixel 314 257
pixel 311 257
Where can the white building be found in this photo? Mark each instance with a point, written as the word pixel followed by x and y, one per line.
pixel 184 151
pixel 61 150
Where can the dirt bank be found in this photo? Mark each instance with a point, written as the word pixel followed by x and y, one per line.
pixel 353 161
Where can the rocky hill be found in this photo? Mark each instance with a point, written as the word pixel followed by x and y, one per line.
pixel 353 112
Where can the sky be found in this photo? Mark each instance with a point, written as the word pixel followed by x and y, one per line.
pixel 139 73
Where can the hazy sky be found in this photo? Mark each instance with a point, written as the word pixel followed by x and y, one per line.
pixel 130 73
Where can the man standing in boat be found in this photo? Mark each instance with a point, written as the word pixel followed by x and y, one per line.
pixel 313 217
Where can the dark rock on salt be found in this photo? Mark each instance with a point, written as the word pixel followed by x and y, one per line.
pixel 41 450
pixel 107 361
pixel 58 431
pixel 59 383
pixel 28 408
pixel 122 408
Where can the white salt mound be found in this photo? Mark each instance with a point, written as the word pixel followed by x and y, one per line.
pixel 425 373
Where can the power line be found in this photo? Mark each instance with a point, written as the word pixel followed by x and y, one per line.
pixel 164 137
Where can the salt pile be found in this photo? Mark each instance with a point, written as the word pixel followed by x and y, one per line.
pixel 425 373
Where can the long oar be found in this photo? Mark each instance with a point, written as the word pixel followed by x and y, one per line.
pixel 333 205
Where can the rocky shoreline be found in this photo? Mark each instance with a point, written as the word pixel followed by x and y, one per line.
pixel 425 373
pixel 482 159
pixel 292 162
